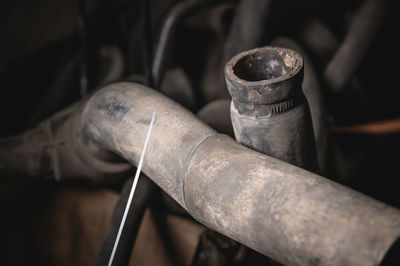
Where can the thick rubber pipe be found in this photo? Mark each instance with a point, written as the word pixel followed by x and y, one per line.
pixel 248 26
pixel 57 149
pixel 362 31
pixel 174 17
pixel 313 92
pixel 287 213
pixel 269 111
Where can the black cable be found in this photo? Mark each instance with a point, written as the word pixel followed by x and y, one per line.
pixel 145 188
pixel 134 218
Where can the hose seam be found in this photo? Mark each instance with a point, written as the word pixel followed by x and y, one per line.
pixel 189 159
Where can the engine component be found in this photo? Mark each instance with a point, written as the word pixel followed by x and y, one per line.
pixel 269 111
pixel 293 216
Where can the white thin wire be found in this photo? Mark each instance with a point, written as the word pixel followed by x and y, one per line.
pixel 135 180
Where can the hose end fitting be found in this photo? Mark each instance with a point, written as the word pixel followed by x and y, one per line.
pixel 269 111
pixel 265 75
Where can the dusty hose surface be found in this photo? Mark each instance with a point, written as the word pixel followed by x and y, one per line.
pixel 285 212
pixel 313 92
pixel 280 210
pixel 269 111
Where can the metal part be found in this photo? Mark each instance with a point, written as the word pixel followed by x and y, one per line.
pixel 269 111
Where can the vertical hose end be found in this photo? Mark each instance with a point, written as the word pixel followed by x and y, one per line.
pixel 264 75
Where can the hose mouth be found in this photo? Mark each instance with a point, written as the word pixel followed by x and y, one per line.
pixel 266 64
pixel 264 75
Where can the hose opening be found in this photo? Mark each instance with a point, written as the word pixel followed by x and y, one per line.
pixel 266 64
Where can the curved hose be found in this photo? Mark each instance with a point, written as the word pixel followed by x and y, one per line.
pixel 362 31
pixel 280 210
pixel 175 15
pixel 287 213
pixel 248 26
